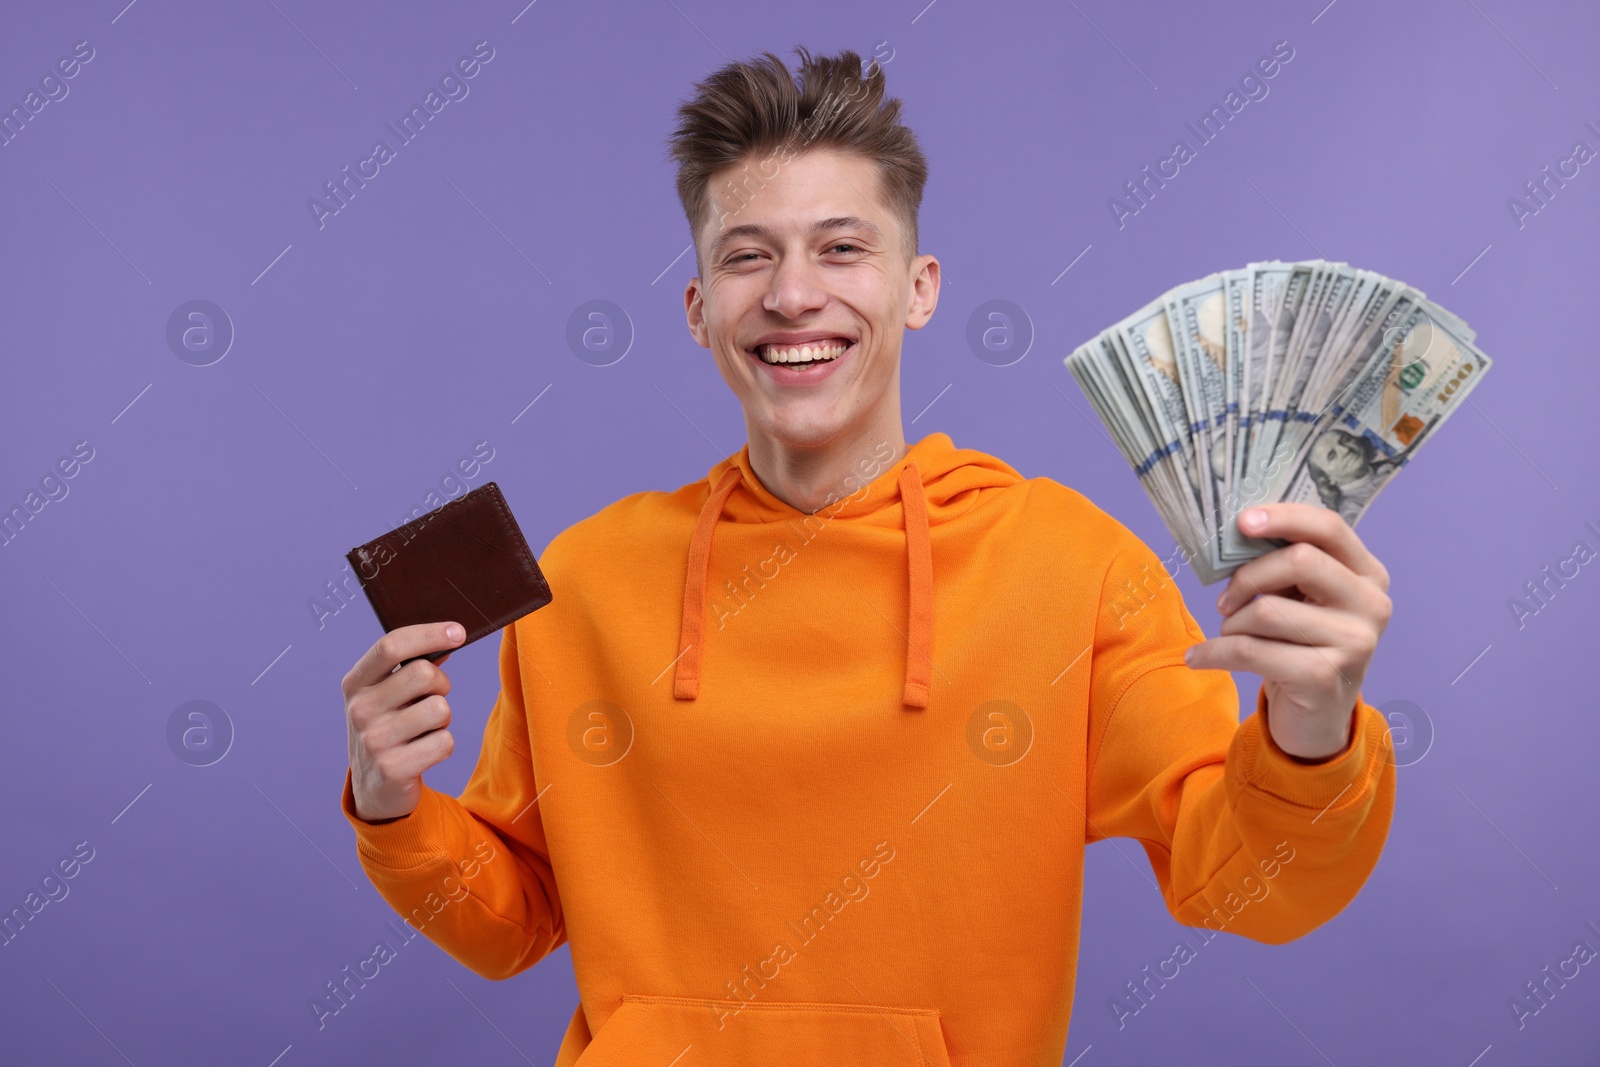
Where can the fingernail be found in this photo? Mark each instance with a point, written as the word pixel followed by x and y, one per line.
pixel 1255 519
pixel 1188 655
pixel 453 632
pixel 1221 600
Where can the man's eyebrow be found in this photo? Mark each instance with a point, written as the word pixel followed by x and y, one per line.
pixel 755 229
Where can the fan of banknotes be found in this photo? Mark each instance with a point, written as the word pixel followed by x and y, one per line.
pixel 1308 381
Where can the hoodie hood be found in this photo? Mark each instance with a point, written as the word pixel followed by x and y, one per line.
pixel 933 483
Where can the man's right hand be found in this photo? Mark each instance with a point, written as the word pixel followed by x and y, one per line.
pixel 397 718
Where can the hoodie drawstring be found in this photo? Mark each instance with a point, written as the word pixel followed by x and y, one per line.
pixel 686 678
pixel 919 612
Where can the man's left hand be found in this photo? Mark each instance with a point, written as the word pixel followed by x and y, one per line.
pixel 1306 617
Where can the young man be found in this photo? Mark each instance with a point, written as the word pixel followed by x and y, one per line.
pixel 802 759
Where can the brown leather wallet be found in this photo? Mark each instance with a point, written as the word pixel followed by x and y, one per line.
pixel 466 561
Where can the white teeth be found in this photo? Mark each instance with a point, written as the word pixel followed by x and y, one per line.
pixel 802 353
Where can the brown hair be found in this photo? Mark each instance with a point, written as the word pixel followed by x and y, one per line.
pixel 757 109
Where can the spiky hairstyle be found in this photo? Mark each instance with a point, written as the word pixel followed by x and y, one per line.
pixel 759 115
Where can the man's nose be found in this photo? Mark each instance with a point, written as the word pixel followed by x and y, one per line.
pixel 796 288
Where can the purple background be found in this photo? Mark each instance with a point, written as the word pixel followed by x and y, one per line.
pixel 431 311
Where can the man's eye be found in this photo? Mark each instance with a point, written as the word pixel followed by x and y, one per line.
pixel 844 244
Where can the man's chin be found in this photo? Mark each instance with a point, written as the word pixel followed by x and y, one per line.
pixel 800 424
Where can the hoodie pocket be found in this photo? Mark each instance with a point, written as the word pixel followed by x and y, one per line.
pixel 691 1032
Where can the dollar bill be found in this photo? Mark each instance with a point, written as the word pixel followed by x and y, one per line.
pixel 1309 381
pixel 1421 373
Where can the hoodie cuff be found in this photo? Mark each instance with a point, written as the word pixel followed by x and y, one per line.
pixel 1259 762
pixel 409 841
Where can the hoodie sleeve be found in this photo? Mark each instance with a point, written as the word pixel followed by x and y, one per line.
pixel 473 872
pixel 1242 837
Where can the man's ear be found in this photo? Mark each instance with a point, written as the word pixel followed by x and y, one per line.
pixel 694 310
pixel 924 291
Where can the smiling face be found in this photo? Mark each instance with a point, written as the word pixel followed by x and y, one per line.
pixel 808 264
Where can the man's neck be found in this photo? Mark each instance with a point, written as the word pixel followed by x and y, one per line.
pixel 810 479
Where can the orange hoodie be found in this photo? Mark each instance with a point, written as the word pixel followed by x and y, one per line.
pixel 815 789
